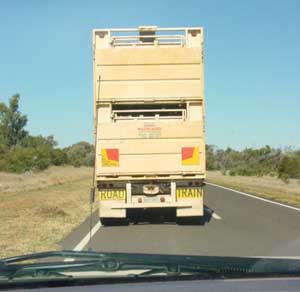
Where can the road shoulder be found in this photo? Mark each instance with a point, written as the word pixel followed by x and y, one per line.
pixel 269 188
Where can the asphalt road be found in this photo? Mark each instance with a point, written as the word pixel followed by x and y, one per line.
pixel 237 225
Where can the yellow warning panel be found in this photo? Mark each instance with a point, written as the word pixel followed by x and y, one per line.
pixel 190 156
pixel 110 157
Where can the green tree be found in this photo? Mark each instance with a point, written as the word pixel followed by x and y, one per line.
pixel 80 154
pixel 3 144
pixel 211 163
pixel 248 162
pixel 33 153
pixel 12 122
pixel 45 151
pixel 289 166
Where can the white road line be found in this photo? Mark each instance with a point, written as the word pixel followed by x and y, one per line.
pixel 255 197
pixel 80 246
pixel 276 257
pixel 216 216
pixel 213 214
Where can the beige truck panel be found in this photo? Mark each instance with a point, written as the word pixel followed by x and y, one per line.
pixel 165 69
pixel 161 155
pixel 125 90
pixel 151 164
pixel 150 156
pixel 135 130
pixel 148 56
pixel 149 72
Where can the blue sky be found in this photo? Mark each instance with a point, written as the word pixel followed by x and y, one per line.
pixel 252 64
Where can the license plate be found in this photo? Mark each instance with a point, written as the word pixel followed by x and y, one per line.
pixel 189 193
pixel 112 195
pixel 154 199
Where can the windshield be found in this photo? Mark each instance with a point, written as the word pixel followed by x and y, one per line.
pixel 120 138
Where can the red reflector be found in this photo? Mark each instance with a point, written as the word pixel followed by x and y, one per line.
pixel 162 199
pixel 194 33
pixel 140 200
pixel 113 154
pixel 187 152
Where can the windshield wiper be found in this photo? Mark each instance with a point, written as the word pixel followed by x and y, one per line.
pixel 12 268
pixel 149 264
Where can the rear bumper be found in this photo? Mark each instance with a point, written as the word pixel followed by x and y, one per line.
pixel 183 209
pixel 184 205
pixel 151 205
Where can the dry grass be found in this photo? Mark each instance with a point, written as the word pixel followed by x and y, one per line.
pixel 55 175
pixel 266 186
pixel 39 210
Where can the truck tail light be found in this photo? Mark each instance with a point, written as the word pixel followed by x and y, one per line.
pixel 162 199
pixel 140 200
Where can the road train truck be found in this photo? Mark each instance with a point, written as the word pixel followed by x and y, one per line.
pixel 149 121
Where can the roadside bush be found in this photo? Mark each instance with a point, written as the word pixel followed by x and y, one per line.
pixel 19 159
pixel 90 158
pixel 223 171
pixel 232 172
pixel 289 166
pixel 255 162
pixel 59 157
pixel 210 158
pixel 32 153
pixel 80 154
pixel 3 146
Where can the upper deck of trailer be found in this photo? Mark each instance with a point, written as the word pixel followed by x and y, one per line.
pixel 148 64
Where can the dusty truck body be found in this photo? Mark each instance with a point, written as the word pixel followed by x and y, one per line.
pixel 149 120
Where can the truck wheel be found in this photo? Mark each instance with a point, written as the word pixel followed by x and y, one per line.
pixel 107 221
pixel 195 220
pixel 113 221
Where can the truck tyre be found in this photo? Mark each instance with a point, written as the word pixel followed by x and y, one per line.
pixel 113 221
pixel 107 221
pixel 195 220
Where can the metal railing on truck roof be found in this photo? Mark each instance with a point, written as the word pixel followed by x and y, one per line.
pixel 147 35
